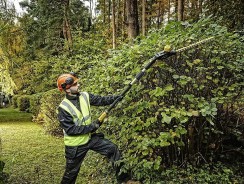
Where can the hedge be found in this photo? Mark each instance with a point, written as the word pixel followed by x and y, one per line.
pixel 47 115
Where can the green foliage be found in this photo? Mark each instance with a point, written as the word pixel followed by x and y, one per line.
pixel 3 176
pixel 218 173
pixel 179 109
pixel 35 103
pixel 14 115
pixel 44 25
pixel 14 101
pixel 47 112
pixel 23 103
pixel 231 13
pixel 7 84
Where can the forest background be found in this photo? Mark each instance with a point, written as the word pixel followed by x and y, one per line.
pixel 182 123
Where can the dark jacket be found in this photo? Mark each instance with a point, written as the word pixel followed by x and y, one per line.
pixel 66 120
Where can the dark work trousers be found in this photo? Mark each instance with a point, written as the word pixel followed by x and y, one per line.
pixel 75 156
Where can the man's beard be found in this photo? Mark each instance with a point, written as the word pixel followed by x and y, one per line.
pixel 74 92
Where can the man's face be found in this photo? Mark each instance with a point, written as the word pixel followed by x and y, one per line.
pixel 74 89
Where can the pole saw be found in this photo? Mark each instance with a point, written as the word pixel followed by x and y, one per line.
pixel 159 56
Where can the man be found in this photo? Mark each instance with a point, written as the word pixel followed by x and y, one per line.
pixel 79 131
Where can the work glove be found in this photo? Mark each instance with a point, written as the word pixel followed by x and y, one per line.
pixel 95 125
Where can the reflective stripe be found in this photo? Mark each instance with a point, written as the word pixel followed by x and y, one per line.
pixel 85 106
pixel 80 117
pixel 66 106
pixel 85 118
pixel 72 110
pixel 86 99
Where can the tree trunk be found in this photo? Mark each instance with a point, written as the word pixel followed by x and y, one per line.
pixel 91 7
pixel 66 26
pixel 132 15
pixel 194 10
pixel 113 24
pixel 180 10
pixel 104 11
pixel 109 11
pixel 200 9
pixel 159 13
pixel 168 10
pixel 176 9
pixel 124 20
pixel 143 27
pixel 118 18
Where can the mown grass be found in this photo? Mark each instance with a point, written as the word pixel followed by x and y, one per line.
pixel 32 156
pixel 10 115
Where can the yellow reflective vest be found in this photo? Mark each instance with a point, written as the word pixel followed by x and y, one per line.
pixel 82 117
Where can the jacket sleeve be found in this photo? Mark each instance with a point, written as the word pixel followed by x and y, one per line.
pixel 66 123
pixel 97 100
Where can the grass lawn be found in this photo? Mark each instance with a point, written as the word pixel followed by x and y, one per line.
pixel 31 156
pixel 9 114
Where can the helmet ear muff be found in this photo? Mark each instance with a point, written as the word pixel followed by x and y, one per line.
pixel 69 81
pixel 63 86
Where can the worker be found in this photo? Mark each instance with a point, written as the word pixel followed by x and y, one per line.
pixel 80 132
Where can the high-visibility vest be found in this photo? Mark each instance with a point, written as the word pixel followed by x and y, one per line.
pixel 82 117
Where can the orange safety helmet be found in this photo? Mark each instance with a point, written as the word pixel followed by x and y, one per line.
pixel 65 81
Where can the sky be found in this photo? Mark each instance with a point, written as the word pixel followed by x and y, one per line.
pixel 16 4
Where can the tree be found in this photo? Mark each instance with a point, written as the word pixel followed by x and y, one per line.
pixel 66 25
pixel 49 24
pixel 232 14
pixel 143 27
pixel 113 24
pixel 180 10
pixel 132 19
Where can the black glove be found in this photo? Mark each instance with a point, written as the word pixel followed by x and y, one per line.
pixel 95 125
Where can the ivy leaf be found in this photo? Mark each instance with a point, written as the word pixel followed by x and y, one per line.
pixel 169 87
pixel 166 119
pixel 220 67
pixel 176 76
pixel 164 143
pixel 145 152
pixel 195 113
pixel 197 61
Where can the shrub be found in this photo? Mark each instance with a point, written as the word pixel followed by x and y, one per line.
pixel 184 108
pixel 217 173
pixel 24 103
pixel 35 103
pixel 14 101
pixel 47 114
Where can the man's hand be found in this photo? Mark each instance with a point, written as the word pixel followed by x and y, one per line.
pixel 96 124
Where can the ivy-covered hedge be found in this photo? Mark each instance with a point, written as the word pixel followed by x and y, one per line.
pixel 186 106
pixel 184 109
